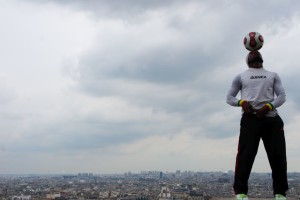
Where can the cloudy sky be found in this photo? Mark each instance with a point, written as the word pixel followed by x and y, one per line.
pixel 116 86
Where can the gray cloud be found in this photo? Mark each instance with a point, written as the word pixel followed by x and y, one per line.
pixel 188 63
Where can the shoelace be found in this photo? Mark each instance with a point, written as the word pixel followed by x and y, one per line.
pixel 242 196
pixel 279 196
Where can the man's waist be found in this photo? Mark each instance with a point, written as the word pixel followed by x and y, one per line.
pixel 271 113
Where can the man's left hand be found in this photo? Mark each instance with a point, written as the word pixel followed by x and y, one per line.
pixel 260 113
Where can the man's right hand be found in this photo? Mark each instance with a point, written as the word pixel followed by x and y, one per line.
pixel 247 108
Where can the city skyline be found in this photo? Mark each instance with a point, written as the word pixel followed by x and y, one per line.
pixel 147 185
pixel 116 86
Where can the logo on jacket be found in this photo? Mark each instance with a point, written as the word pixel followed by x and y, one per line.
pixel 257 77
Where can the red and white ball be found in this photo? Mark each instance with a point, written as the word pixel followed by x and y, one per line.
pixel 253 41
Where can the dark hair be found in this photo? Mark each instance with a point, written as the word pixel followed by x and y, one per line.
pixel 254 56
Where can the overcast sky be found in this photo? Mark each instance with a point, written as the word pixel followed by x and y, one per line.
pixel 117 86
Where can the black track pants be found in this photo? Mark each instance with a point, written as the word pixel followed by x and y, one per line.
pixel 270 130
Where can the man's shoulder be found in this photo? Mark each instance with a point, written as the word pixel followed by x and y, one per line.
pixel 269 71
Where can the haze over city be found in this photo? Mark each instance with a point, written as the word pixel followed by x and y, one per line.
pixel 116 86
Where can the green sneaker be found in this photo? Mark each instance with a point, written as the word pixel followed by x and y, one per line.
pixel 243 197
pixel 280 197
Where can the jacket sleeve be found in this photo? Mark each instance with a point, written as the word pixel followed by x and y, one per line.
pixel 279 91
pixel 233 91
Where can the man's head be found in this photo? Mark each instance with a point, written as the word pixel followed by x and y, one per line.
pixel 254 59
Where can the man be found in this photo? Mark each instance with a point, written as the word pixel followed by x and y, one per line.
pixel 261 93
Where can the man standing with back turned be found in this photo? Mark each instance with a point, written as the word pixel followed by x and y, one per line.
pixel 261 93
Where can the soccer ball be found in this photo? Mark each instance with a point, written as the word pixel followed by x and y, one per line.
pixel 253 41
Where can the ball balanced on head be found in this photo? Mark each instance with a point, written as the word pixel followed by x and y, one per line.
pixel 253 41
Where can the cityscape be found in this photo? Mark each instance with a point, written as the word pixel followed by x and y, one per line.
pixel 146 185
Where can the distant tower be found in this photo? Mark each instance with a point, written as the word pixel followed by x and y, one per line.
pixel 161 175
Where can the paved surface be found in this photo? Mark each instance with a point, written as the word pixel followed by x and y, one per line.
pixel 217 198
